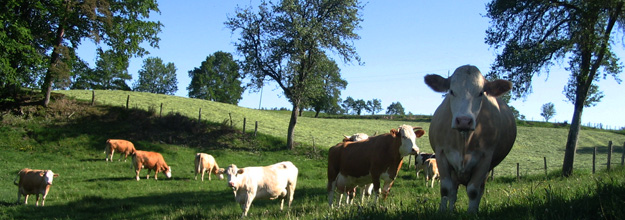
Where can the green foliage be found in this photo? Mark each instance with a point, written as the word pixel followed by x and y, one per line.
pixel 110 73
pixel 373 106
pixel 217 79
pixel 548 110
pixel 395 108
pixel 325 87
pixel 157 77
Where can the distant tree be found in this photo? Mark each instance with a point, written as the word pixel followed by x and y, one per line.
pixel 325 89
pixel 359 105
pixel 548 110
pixel 374 106
pixel 280 36
pixel 110 73
pixel 157 77
pixel 395 109
pixel 348 104
pixel 217 79
pixel 534 34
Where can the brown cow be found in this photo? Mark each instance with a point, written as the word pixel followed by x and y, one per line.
pixel 205 163
pixel 34 182
pixel 431 171
pixel 471 132
pixel 358 163
pixel 124 147
pixel 151 161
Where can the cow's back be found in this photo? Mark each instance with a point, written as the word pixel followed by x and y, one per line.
pixel 31 181
pixel 356 157
pixel 148 159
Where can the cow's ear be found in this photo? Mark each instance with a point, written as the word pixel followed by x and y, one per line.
pixel 437 83
pixel 240 171
pixel 41 174
pixel 419 132
pixel 56 175
pixel 497 87
pixel 220 171
pixel 393 132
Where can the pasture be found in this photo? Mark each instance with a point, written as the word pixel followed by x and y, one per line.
pixel 69 139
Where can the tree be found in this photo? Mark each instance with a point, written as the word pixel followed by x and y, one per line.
pixel 285 41
pixel 374 106
pixel 348 104
pixel 395 109
pixel 50 31
pixel 110 73
pixel 548 110
pixel 534 34
pixel 359 105
pixel 217 79
pixel 157 77
pixel 325 90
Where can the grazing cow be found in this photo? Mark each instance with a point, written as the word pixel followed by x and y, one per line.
pixel 431 171
pixel 358 163
pixel 205 163
pixel 419 161
pixel 34 182
pixel 124 147
pixel 471 132
pixel 268 182
pixel 150 161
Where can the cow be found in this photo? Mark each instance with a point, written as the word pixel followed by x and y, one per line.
pixel 358 163
pixel 268 182
pixel 431 171
pixel 356 137
pixel 367 188
pixel 419 161
pixel 124 147
pixel 151 161
pixel 34 182
pixel 471 132
pixel 205 163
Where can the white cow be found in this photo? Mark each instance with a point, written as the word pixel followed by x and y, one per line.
pixel 268 182
pixel 471 132
pixel 205 163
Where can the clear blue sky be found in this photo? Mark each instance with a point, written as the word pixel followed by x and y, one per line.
pixel 401 41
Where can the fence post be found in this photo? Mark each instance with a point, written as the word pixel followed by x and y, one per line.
pixel 160 113
pixel 623 155
pixel 545 159
pixel 127 101
pixel 517 172
pixel 92 97
pixel 255 128
pixel 609 154
pixel 199 116
pixel 594 159
pixel 244 119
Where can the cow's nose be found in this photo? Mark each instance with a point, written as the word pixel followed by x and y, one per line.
pixel 464 123
pixel 231 184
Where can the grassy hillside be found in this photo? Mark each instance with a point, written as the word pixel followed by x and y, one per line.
pixel 532 144
pixel 69 138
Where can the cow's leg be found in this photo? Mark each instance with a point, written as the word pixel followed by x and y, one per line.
pixel 19 195
pixel 137 170
pixel 156 175
pixel 125 156
pixel 37 201
pixel 376 186
pixel 209 174
pixel 248 202
pixel 26 199
pixel 43 198
pixel 148 175
pixel 475 188
pixel 449 186
pixel 330 187
pixel 111 155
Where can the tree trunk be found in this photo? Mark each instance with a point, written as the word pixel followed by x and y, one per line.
pixel 290 139
pixel 571 142
pixel 54 58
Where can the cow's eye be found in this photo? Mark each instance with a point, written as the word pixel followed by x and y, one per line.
pixel 481 94
pixel 451 92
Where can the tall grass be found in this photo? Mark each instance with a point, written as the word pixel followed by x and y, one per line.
pixel 90 188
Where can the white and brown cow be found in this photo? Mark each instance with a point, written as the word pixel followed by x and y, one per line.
pixel 150 161
pixel 367 189
pixel 205 163
pixel 351 164
pixel 431 171
pixel 123 147
pixel 356 137
pixel 34 182
pixel 420 161
pixel 268 182
pixel 471 132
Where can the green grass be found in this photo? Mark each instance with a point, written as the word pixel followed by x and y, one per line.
pixel 69 139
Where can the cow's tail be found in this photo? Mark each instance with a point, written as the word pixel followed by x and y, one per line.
pixel 16 177
pixel 134 161
pixel 199 159
pixel 108 145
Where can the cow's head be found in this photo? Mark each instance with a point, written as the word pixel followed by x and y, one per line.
pixel 408 135
pixel 48 176
pixel 356 137
pixel 466 89
pixel 233 175
pixel 220 172
pixel 168 172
